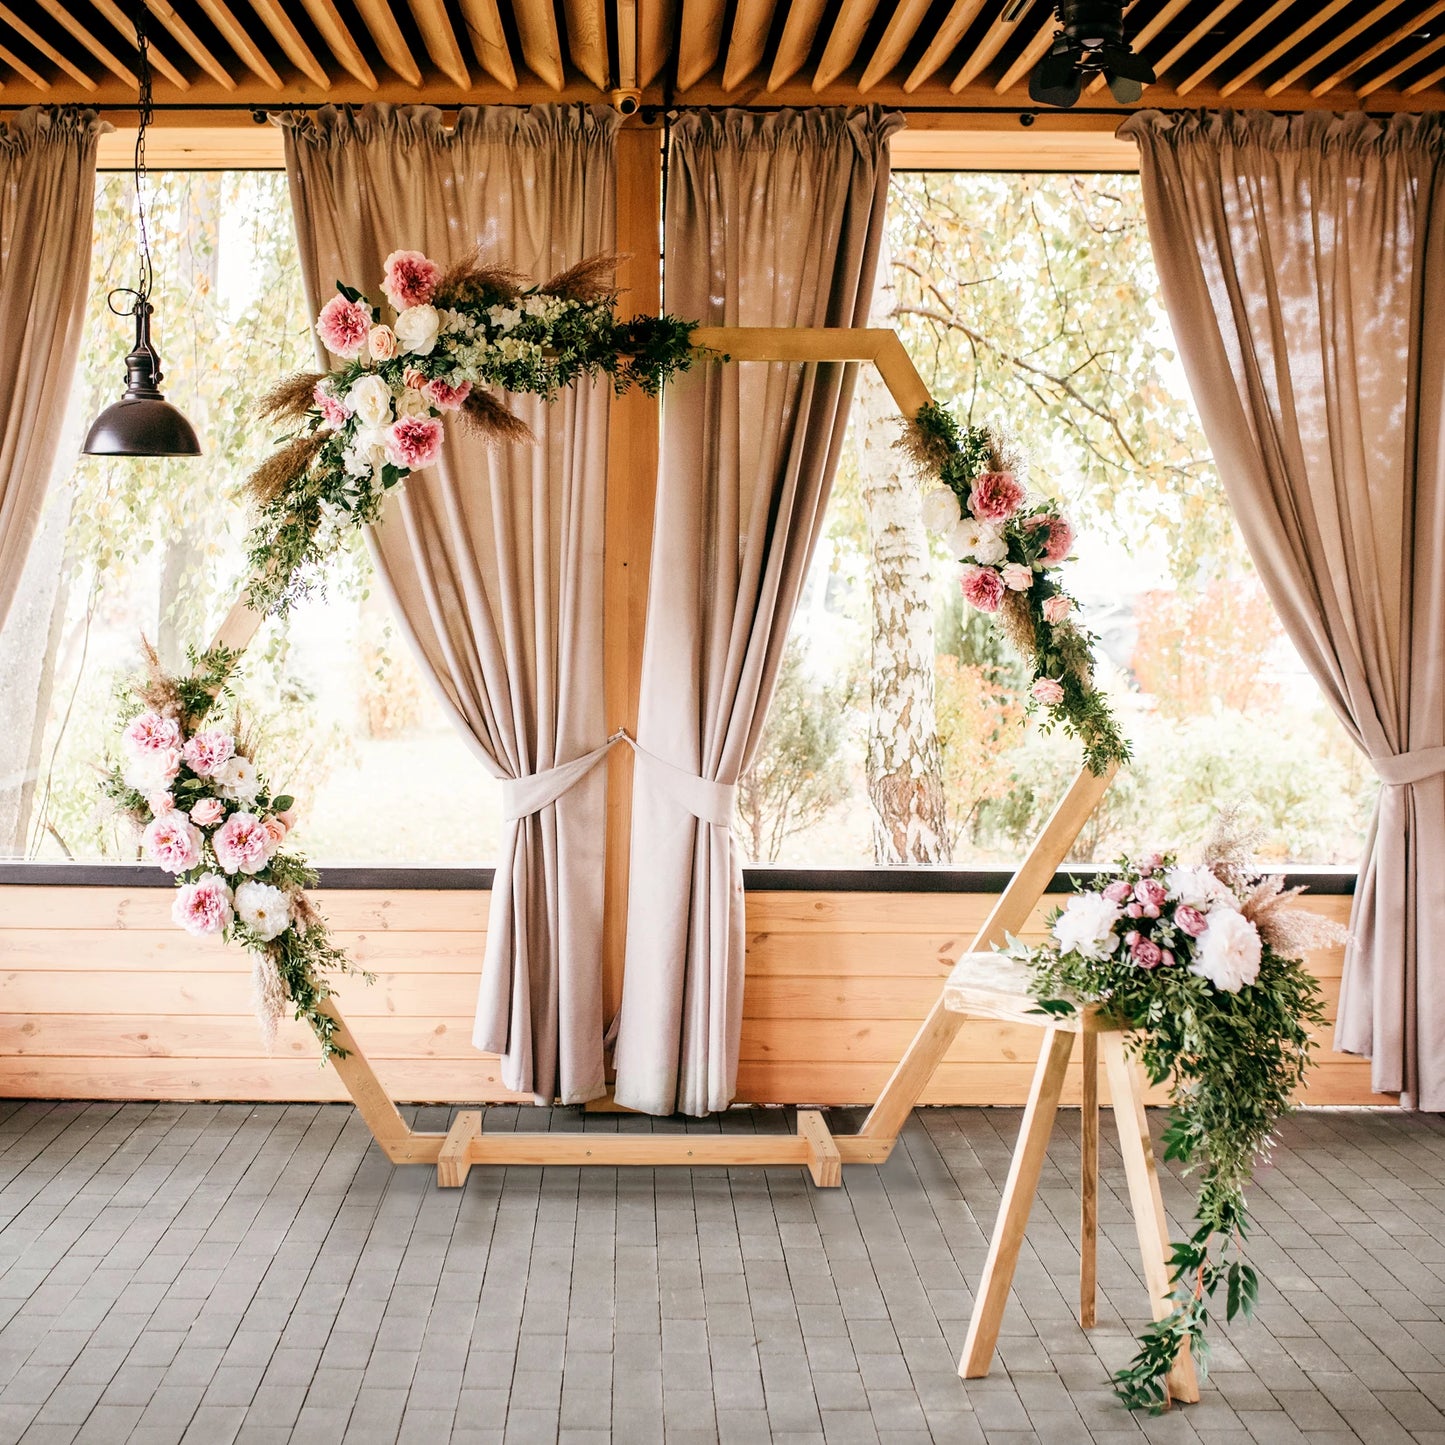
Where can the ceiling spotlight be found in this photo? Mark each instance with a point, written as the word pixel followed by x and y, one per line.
pixel 1090 42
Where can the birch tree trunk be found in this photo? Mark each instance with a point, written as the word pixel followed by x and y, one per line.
pixel 905 769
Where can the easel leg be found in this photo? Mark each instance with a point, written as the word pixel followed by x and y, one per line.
pixel 1089 1181
pixel 1145 1199
pixel 1018 1198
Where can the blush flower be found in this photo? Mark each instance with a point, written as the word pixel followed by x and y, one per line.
pixel 207 811
pixel 242 844
pixel 1119 891
pixel 414 442
pixel 1057 607
pixel 982 588
pixel 154 771
pixel 1048 691
pixel 173 842
pixel 446 397
pixel 1146 953
pixel 334 411
pixel 276 831
pixel 208 752
pixel 381 343
pixel 1151 894
pixel 204 906
pixel 1017 577
pixel 1190 920
pixel 151 732
pixel 410 279
pixel 996 496
pixel 343 327
pixel 1060 540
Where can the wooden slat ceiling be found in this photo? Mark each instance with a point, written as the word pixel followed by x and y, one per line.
pixel 920 54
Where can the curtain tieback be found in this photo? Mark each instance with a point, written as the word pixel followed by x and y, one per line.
pixel 1398 769
pixel 707 801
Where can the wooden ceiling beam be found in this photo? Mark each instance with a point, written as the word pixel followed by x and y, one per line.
pixel 21 68
pixel 795 45
pixel 843 41
pixel 1299 33
pixel 236 36
pixel 1378 82
pixel 994 39
pixel 190 42
pixel 1378 49
pixel 376 15
pixel 945 42
pixel 1029 56
pixel 1219 57
pixel 32 37
pixel 587 39
pixel 489 40
pixel 654 39
pixel 107 58
pixel 541 44
pixel 288 37
pixel 441 40
pixel 699 40
pixel 1349 33
pixel 1193 36
pixel 1425 82
pixel 752 23
pixel 340 41
pixel 896 38
pixel 125 24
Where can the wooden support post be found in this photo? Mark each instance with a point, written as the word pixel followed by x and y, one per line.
pixel 825 1164
pixel 454 1161
pixel 1127 1097
pixel 1013 1209
pixel 1089 1180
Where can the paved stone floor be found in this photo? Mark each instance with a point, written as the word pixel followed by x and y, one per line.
pixel 216 1273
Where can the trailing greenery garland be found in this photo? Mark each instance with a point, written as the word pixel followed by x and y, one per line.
pixel 1203 964
pixel 1011 549
pixel 211 819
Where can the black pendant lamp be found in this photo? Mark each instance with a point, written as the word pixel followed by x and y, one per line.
pixel 142 423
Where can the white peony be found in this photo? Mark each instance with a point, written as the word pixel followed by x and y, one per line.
pixel 981 542
pixel 1086 926
pixel 412 403
pixel 238 780
pixel 152 772
pixel 1228 951
pixel 370 400
pixel 1199 888
pixel 417 328
pixel 941 512
pixel 265 910
pixel 366 455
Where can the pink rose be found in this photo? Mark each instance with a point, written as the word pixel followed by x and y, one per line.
pixel 1146 953
pixel 995 497
pixel 288 816
pixel 414 442
pixel 1135 910
pixel 334 411
pixel 413 378
pixel 381 343
pixel 276 831
pixel 160 803
pixel 343 327
pixel 1017 577
pixel 173 842
pixel 1190 920
pixel 1057 607
pixel 151 732
pixel 207 811
pixel 982 588
pixel 208 752
pixel 1168 959
pixel 242 844
pixel 1151 893
pixel 1150 863
pixel 446 397
pixel 1060 540
pixel 204 906
pixel 410 279
pixel 1119 891
pixel 1047 691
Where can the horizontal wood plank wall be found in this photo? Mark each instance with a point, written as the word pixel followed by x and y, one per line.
pixel 101 997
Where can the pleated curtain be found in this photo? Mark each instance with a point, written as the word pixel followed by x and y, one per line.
pixel 493 558
pixel 47 205
pixel 771 220
pixel 1303 266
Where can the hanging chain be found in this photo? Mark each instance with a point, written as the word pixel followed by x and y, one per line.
pixel 147 110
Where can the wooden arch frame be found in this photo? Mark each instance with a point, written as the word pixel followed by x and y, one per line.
pixel 813 1147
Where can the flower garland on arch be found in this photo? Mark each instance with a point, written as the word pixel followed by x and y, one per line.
pixel 210 818
pixel 1011 548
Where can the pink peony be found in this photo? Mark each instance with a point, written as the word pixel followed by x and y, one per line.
pixel 207 811
pixel 1057 607
pixel 1152 894
pixel 334 411
pixel 208 752
pixel 995 497
pixel 1190 920
pixel 1060 541
pixel 173 842
pixel 276 831
pixel 343 327
pixel 1146 953
pixel 151 732
pixel 1017 577
pixel 242 844
pixel 410 279
pixel 446 397
pixel 413 442
pixel 1047 691
pixel 204 906
pixel 1119 891
pixel 160 803
pixel 982 588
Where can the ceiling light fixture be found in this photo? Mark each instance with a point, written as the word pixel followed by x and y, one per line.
pixel 1090 42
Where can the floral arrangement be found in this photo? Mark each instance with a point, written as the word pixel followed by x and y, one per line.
pixel 454 335
pixel 1011 547
pixel 1203 962
pixel 208 816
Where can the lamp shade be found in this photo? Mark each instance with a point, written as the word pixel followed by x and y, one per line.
pixel 142 423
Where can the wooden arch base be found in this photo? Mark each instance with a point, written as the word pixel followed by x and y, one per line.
pixel 813 1147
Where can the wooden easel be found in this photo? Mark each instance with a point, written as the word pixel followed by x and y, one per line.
pixel 814 1147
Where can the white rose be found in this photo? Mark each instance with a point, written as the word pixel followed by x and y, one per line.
pixel 381 343
pixel 941 512
pixel 412 403
pixel 1228 951
pixel 981 542
pixel 370 401
pixel 265 910
pixel 416 329
pixel 1199 888
pixel 238 780
pixel 1086 926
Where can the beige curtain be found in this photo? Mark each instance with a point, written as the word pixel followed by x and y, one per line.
pixel 772 220
pixel 47 202
pixel 493 558
pixel 1303 266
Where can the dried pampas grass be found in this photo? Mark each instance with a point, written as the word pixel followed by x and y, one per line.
pixel 469 280
pixel 157 691
pixel 1230 847
pixel 304 913
pixel 491 421
pixel 926 451
pixel 292 397
pixel 1017 622
pixel 1291 932
pixel 594 279
pixel 268 997
pixel 276 474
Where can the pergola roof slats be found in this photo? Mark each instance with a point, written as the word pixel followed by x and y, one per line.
pixel 1383 47
pixel 235 35
pixel 844 41
pixel 380 21
pixel 901 29
pixel 1331 47
pixel 489 40
pixel 191 43
pixel 752 22
pixel 125 24
pixel 46 49
pixel 340 41
pixel 953 29
pixel 92 42
pixel 274 17
pixel 587 39
pixel 441 40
